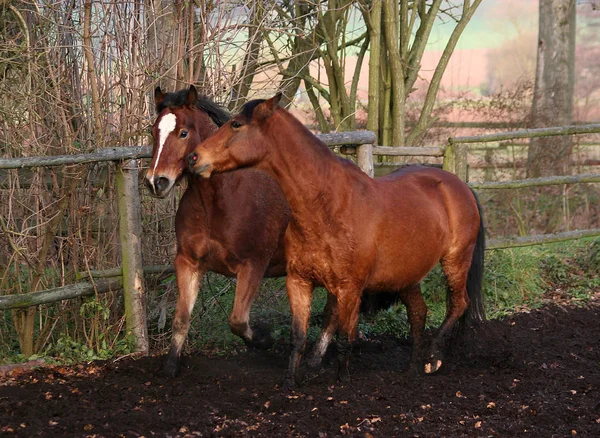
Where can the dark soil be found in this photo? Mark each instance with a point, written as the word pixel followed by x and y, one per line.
pixel 534 374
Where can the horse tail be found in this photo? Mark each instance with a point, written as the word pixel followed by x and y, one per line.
pixel 476 311
pixel 373 302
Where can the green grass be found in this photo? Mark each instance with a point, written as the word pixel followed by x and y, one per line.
pixel 514 280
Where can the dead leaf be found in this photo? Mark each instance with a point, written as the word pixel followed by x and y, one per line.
pixel 491 405
pixel 478 425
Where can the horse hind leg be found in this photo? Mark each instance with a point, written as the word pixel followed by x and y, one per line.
pixel 416 311
pixel 248 284
pixel 188 273
pixel 330 325
pixel 456 270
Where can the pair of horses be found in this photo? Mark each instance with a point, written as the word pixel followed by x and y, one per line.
pixel 346 232
pixel 232 223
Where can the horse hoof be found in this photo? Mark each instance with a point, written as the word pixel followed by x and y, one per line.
pixel 430 368
pixel 288 385
pixel 171 370
pixel 261 338
pixel 260 343
pixel 412 371
pixel 343 377
pixel 314 362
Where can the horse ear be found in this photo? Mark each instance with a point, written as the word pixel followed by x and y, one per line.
pixel 158 97
pixel 192 96
pixel 267 108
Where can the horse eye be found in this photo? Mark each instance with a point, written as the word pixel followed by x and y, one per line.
pixel 183 134
pixel 235 124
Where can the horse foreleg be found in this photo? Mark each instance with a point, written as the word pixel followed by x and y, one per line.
pixel 348 309
pixel 188 275
pixel 330 325
pixel 416 310
pixel 299 293
pixel 249 277
pixel 458 301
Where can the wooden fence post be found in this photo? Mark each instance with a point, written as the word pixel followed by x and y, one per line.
pixel 130 233
pixel 364 159
pixel 455 159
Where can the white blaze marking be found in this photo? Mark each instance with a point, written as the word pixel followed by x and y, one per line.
pixel 165 127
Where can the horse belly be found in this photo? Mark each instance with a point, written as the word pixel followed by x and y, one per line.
pixel 399 273
pixel 405 256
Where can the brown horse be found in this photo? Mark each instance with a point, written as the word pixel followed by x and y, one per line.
pixel 232 223
pixel 351 233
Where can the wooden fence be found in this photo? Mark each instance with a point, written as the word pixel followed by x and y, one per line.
pixel 130 276
pixel 461 144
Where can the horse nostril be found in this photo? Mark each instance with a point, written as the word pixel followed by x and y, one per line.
pixel 192 159
pixel 161 184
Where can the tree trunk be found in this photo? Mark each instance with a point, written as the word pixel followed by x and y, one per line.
pixel 397 73
pixel 255 36
pixel 374 21
pixel 554 83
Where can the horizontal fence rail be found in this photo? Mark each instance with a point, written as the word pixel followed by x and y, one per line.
pixel 104 154
pixel 536 182
pixel 81 289
pixel 136 152
pixel 529 133
pixel 516 242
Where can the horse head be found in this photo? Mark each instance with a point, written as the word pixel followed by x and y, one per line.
pixel 184 120
pixel 241 142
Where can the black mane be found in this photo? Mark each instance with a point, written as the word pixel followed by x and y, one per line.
pixel 248 108
pixel 177 99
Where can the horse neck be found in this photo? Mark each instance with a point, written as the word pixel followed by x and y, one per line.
pixel 305 168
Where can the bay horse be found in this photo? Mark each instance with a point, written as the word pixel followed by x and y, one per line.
pixel 232 223
pixel 351 233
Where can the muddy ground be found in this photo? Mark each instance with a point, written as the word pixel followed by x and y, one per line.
pixel 534 374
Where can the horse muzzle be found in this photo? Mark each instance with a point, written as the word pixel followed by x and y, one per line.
pixel 160 187
pixel 197 168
